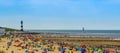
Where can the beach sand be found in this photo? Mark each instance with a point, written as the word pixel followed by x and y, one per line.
pixel 77 41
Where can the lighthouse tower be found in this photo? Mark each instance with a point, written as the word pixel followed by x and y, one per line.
pixel 21 25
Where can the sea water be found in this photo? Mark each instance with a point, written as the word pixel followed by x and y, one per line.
pixel 115 34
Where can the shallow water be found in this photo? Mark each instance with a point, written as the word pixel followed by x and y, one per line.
pixel 115 34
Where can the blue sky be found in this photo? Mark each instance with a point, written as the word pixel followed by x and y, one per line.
pixel 61 14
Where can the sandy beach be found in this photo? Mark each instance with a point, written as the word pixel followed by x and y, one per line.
pixel 96 42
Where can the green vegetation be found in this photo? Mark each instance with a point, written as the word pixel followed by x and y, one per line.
pixel 2 51
pixel 9 29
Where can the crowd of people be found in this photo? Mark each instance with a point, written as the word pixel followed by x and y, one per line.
pixel 33 43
